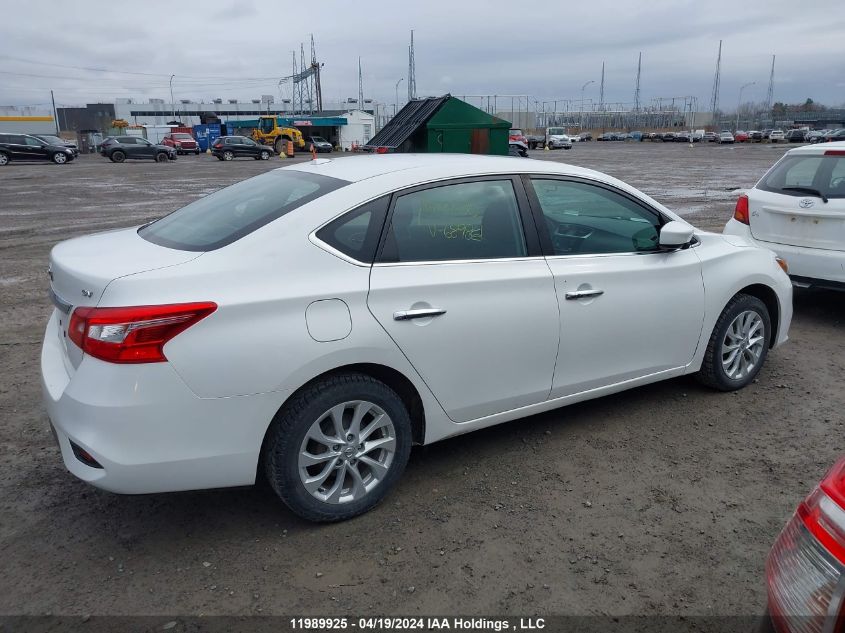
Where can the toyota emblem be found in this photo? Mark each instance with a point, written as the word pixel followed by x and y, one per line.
pixel 806 203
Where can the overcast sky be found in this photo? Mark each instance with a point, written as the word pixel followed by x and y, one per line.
pixel 544 49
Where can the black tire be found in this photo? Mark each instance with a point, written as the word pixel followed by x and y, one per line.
pixel 4 159
pixel 220 158
pixel 712 373
pixel 290 425
pixel 197 151
pixel 278 146
pixel 117 156
pixel 59 158
pixel 227 155
pixel 265 155
pixel 161 157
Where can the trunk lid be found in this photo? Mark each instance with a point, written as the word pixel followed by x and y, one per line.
pixel 81 268
pixel 785 208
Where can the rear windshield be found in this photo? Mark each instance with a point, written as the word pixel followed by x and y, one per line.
pixel 185 136
pixel 227 215
pixel 797 175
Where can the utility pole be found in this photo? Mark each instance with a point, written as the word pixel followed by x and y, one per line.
pixel 601 89
pixel 172 102
pixel 396 109
pixel 739 103
pixel 293 81
pixel 412 71
pixel 771 93
pixel 714 99
pixel 360 87
pixel 581 124
pixel 55 112
pixel 637 89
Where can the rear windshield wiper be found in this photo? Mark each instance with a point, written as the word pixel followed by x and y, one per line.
pixel 809 190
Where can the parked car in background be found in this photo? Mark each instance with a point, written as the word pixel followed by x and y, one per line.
pixel 805 569
pixel 816 136
pixel 231 147
pixel 58 141
pixel 516 135
pixel 320 144
pixel 120 148
pixel 776 136
pixel 23 147
pixel 636 136
pixel 556 137
pixel 710 137
pixel 725 137
pixel 301 325
pixel 182 142
pixel 517 148
pixel 834 135
pixel 607 136
pixel 698 136
pixel 796 136
pixel 740 136
pixel 623 136
pixel 683 137
pixel 796 210
pixel 755 136
pixel 766 133
pixel 668 137
pixel 585 136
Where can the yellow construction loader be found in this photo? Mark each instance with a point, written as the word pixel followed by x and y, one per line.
pixel 269 132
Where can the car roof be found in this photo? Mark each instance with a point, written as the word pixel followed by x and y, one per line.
pixel 818 148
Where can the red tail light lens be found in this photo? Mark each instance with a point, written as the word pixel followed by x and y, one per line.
pixel 741 210
pixel 134 334
pixel 835 152
pixel 806 566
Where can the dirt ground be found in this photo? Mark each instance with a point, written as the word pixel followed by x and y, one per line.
pixel 661 500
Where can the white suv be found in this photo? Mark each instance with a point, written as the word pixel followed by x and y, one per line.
pixel 798 210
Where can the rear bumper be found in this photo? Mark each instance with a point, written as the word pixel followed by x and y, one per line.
pixel 146 428
pixel 807 266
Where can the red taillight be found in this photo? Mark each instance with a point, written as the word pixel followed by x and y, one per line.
pixel 381 150
pixel 805 568
pixel 835 152
pixel 218 145
pixel 134 334
pixel 741 210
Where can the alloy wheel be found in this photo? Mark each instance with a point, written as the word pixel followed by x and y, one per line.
pixel 347 452
pixel 743 345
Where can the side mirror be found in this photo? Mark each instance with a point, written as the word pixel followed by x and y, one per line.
pixel 675 235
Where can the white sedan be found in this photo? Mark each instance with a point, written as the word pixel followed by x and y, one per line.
pixel 312 323
pixel 797 211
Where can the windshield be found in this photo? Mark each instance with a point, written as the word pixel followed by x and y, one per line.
pixel 797 175
pixel 228 214
pixel 318 139
pixel 516 132
pixel 557 131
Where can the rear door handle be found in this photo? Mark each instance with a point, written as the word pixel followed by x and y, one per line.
pixel 583 294
pixel 405 315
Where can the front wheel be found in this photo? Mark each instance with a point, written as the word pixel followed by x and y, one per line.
pixel 336 449
pixel 161 157
pixel 59 158
pixel 265 155
pixel 738 345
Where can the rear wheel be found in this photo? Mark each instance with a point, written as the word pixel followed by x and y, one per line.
pixel 336 449
pixel 118 156
pixel 227 155
pixel 161 157
pixel 4 159
pixel 278 146
pixel 738 345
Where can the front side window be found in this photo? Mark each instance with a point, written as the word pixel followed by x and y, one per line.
pixel 228 214
pixel 473 220
pixel 33 142
pixel 806 175
pixel 582 218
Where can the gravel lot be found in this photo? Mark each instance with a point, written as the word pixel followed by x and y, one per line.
pixel 661 500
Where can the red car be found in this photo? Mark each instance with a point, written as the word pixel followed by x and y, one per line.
pixel 805 571
pixel 182 142
pixel 741 137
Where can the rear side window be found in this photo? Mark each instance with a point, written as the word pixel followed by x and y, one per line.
pixel 799 175
pixel 356 233
pixel 227 215
pixel 126 140
pixel 473 220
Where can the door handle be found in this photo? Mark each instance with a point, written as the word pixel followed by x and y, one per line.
pixel 583 294
pixel 405 315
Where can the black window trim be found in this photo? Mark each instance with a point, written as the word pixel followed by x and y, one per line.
pixel 545 239
pixel 529 228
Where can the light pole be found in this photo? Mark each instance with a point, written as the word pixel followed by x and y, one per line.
pixel 172 103
pixel 401 79
pixel 581 125
pixel 739 103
